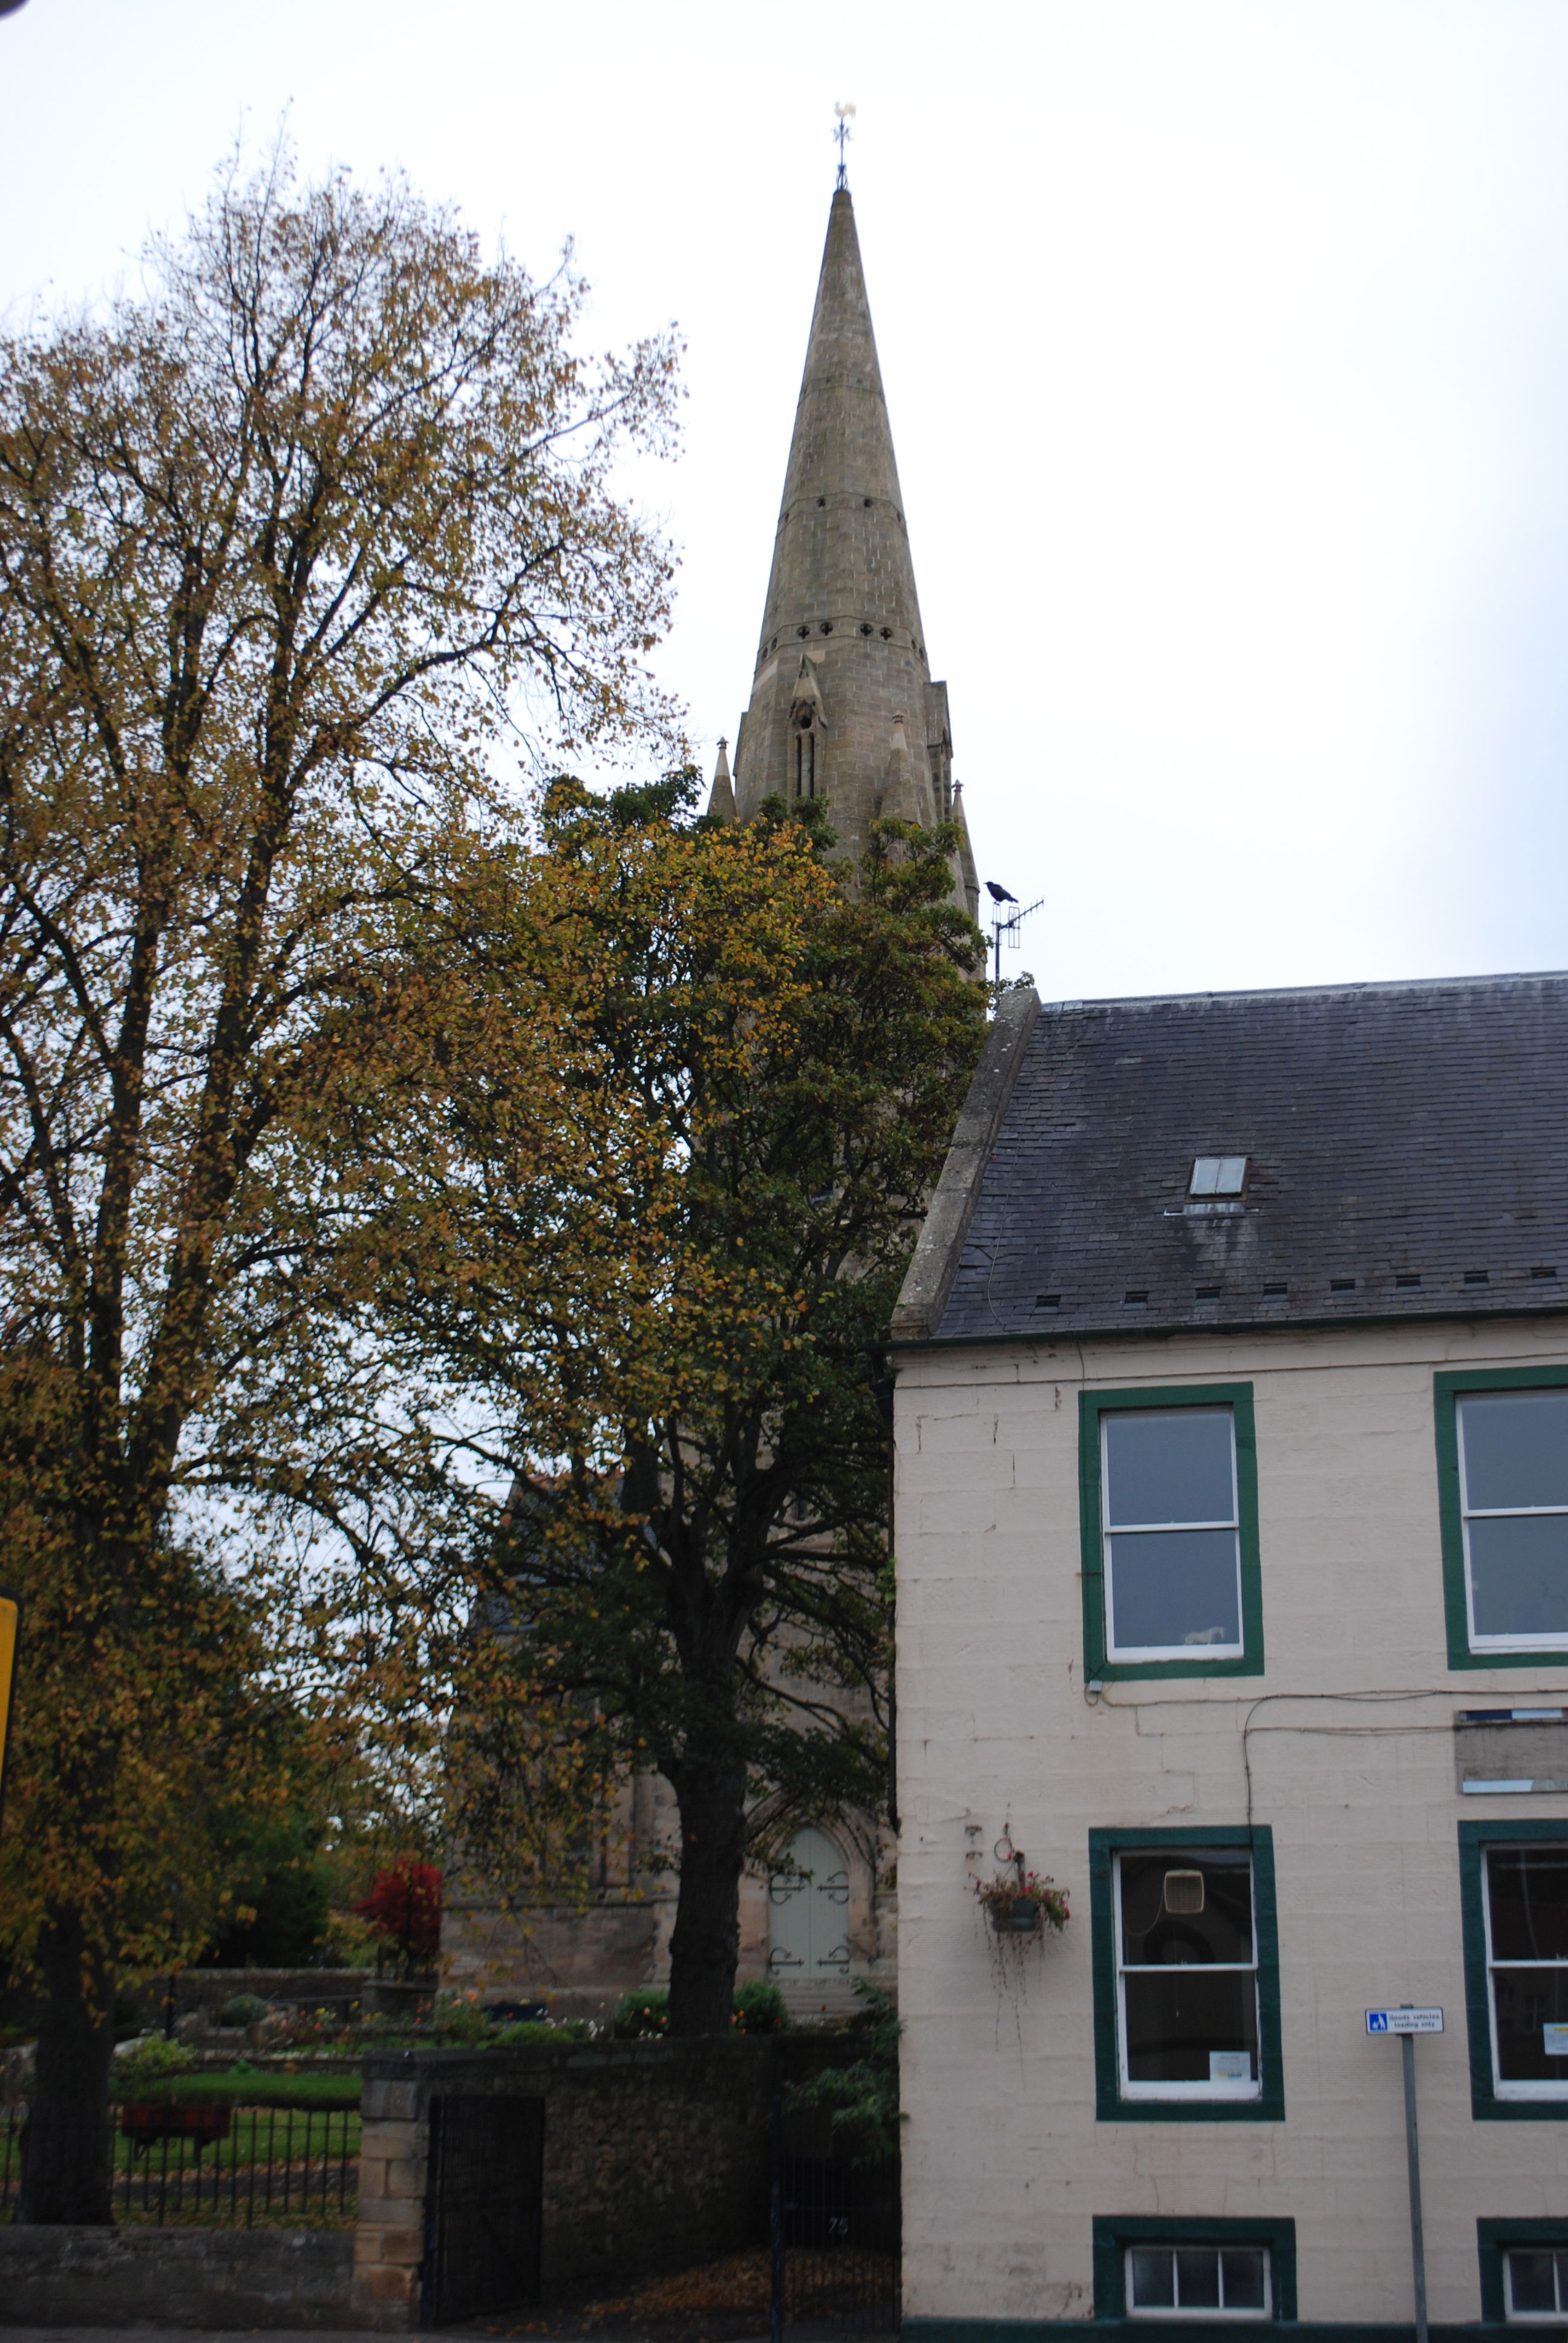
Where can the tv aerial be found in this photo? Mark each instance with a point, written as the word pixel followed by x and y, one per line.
pixel 1006 922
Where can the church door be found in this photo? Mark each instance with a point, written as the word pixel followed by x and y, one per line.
pixel 808 1915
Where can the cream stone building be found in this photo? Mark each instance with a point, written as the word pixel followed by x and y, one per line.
pixel 843 708
pixel 1232 1556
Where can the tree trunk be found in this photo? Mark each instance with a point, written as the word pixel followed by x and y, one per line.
pixel 706 1943
pixel 66 2152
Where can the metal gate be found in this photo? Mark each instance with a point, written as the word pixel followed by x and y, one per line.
pixel 836 2238
pixel 483 2206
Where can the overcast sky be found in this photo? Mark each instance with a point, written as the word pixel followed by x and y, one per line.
pixel 1227 353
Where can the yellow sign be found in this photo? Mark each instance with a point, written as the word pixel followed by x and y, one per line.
pixel 10 1630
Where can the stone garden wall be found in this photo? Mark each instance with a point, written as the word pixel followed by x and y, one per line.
pixel 288 2278
pixel 656 2157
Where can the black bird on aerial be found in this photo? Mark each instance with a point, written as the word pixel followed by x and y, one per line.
pixel 999 894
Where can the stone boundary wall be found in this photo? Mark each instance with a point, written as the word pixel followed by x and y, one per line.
pixel 204 1991
pixel 207 1988
pixel 299 2278
pixel 656 2154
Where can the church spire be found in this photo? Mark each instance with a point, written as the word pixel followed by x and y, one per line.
pixel 721 797
pixel 841 700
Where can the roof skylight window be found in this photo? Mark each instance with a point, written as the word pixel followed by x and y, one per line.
pixel 1218 1175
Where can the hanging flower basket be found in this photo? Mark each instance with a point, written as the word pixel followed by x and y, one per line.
pixel 1020 1902
pixel 1020 1918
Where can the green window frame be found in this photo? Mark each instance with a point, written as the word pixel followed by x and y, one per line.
pixel 1269 2107
pixel 1474 1838
pixel 1449 1389
pixel 1492 2239
pixel 1092 1407
pixel 1114 2232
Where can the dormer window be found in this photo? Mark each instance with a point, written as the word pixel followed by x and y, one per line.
pixel 1218 1175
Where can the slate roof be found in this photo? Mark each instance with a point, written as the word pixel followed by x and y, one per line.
pixel 1394 1132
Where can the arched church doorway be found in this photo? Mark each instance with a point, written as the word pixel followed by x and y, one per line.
pixel 808 1915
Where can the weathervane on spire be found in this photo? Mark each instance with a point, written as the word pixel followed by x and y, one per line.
pixel 843 134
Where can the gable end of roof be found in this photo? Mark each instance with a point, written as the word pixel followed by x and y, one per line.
pixel 929 1278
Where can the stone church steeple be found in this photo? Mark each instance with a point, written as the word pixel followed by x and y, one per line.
pixel 843 707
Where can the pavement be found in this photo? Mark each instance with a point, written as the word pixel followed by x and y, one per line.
pixel 469 2333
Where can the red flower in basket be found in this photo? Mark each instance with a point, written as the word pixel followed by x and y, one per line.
pixel 1018 1901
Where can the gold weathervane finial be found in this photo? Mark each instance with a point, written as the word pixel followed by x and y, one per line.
pixel 843 134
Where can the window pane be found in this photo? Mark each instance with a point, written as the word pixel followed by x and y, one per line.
pixel 1242 2268
pixel 1515 1448
pixel 1527 2001
pixel 1152 2276
pixel 1197 2277
pixel 1222 1931
pixel 1528 1891
pixel 1519 1575
pixel 1178 2019
pixel 1169 1464
pixel 1175 1588
pixel 1529 2284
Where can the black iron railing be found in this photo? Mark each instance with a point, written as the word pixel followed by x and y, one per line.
pixel 217 2165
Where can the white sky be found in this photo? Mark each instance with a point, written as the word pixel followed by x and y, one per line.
pixel 1227 352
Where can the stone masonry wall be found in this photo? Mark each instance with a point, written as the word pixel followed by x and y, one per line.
pixel 656 2157
pixel 290 2279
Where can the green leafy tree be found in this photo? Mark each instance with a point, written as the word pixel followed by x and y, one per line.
pixel 292 546
pixel 282 1912
pixel 650 1196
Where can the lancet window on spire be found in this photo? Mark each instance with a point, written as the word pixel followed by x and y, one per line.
pixel 804 733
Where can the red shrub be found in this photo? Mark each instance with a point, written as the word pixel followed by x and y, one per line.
pixel 404 1907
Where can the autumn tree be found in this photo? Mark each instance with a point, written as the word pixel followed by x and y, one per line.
pixel 213 1755
pixel 295 547
pixel 659 1283
pixel 403 1909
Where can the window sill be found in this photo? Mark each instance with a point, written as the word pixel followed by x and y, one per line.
pixel 1190 1664
pixel 1253 2110
pixel 1466 1656
pixel 1176 1656
pixel 1194 2096
pixel 1193 2317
